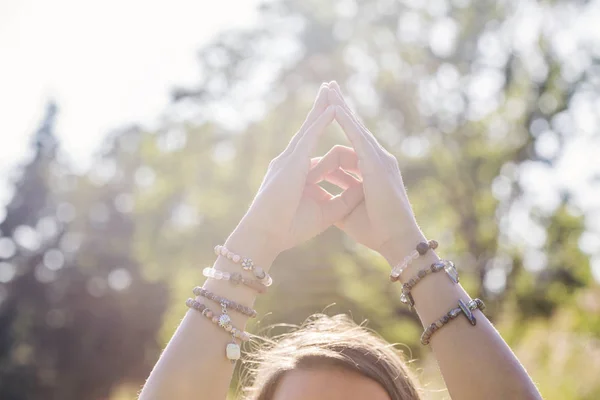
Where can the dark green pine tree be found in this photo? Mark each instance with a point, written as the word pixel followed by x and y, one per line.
pixel 76 316
pixel 22 298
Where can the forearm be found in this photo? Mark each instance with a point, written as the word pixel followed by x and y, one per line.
pixel 475 361
pixel 194 364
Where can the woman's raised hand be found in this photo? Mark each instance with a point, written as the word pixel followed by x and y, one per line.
pixel 287 210
pixel 384 220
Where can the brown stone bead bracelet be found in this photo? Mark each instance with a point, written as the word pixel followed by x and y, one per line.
pixel 464 308
pixel 232 350
pixel 198 291
pixel 222 320
pixel 445 265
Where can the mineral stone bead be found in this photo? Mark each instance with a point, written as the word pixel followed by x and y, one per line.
pixel 423 248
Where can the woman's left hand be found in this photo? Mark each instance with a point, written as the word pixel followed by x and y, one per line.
pixel 384 221
pixel 286 210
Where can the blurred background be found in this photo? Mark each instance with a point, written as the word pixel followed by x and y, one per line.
pixel 133 136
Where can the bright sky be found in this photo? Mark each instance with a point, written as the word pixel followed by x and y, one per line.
pixel 106 64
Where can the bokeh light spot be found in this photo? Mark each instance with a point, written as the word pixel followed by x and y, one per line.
pixel 124 202
pixel 7 247
pixel 119 279
pixel 7 272
pixel 54 259
pixel 495 280
pixel 145 176
pixel 27 237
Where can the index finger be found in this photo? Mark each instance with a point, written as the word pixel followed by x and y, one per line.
pixel 335 89
pixel 318 108
pixel 363 147
pixel 309 140
pixel 336 97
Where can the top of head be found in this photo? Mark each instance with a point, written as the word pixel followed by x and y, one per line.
pixel 330 358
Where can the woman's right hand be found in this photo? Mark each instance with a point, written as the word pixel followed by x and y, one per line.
pixel 288 210
pixel 384 221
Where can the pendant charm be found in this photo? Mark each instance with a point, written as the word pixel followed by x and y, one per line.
pixel 233 352
pixel 247 264
pixel 451 271
pixel 467 311
pixel 224 320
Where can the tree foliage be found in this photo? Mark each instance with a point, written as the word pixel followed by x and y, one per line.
pixel 76 317
pixel 471 97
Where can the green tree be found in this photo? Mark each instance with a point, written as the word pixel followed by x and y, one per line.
pixel 76 319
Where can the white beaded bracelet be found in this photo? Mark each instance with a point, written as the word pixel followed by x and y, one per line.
pixel 236 278
pixel 247 264
pixel 399 268
pixel 420 250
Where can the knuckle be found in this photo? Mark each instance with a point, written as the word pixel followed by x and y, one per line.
pixel 391 161
pixel 390 158
pixel 275 162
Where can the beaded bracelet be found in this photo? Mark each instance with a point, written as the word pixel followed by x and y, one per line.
pixel 448 266
pixel 247 264
pixel 235 278
pixel 232 351
pixel 198 291
pixel 452 314
pixel 420 250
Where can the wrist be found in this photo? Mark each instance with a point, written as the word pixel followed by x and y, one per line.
pixel 251 244
pixel 401 245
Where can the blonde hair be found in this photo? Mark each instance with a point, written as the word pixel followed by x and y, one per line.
pixel 329 341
